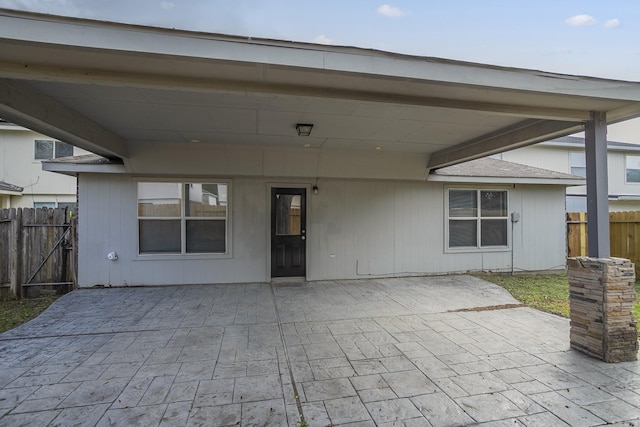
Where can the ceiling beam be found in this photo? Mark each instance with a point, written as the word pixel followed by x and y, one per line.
pixel 521 134
pixel 44 73
pixel 21 104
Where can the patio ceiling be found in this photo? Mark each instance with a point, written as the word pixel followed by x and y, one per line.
pixel 105 86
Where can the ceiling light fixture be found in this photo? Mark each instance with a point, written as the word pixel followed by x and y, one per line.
pixel 304 129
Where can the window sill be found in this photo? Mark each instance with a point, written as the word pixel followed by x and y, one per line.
pixel 179 257
pixel 476 250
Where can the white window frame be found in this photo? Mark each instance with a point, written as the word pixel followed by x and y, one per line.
pixel 572 155
pixel 626 168
pixel 183 254
pixel 54 153
pixel 478 218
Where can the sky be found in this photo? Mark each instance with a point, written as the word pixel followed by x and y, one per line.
pixel 582 37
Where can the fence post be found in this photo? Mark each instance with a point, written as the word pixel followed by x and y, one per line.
pixel 73 256
pixel 15 266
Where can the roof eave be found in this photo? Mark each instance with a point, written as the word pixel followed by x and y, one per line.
pixel 580 145
pixel 73 169
pixel 505 180
pixel 74 33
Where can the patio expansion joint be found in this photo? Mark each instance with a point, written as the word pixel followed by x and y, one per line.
pixel 296 395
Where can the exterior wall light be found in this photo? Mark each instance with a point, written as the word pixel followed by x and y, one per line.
pixel 304 129
pixel 315 189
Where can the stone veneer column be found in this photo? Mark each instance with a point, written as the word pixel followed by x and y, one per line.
pixel 601 298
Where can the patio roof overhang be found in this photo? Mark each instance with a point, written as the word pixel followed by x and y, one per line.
pixel 106 86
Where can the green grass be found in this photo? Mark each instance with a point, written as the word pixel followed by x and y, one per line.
pixel 546 292
pixel 16 312
pixel 636 306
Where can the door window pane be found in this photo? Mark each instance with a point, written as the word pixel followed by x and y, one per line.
pixel 288 214
pixel 159 236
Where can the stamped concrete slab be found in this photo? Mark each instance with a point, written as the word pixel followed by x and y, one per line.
pixel 406 351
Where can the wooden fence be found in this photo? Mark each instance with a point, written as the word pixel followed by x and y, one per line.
pixel 36 251
pixel 624 235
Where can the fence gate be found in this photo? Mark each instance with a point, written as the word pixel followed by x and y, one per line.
pixel 36 251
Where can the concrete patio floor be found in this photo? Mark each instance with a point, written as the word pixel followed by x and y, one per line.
pixel 393 352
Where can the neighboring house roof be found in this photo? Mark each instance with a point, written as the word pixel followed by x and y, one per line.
pixel 489 170
pixel 578 142
pixel 84 163
pixel 6 188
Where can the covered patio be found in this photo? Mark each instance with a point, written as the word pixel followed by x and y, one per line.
pixel 163 102
pixel 450 350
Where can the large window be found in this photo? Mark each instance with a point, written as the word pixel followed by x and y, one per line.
pixel 182 218
pixel 477 218
pixel 47 150
pixel 632 166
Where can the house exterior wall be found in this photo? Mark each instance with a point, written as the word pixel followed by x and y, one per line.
pixel 540 156
pixel 557 158
pixel 624 205
pixel 19 167
pixel 284 161
pixel 617 176
pixel 356 228
pixel 628 131
pixel 549 157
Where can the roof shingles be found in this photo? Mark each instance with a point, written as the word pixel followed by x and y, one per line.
pixel 494 168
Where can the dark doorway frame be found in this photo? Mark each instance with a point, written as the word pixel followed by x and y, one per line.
pixel 288 231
